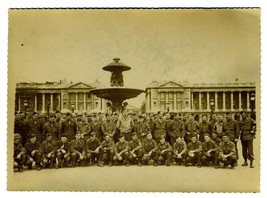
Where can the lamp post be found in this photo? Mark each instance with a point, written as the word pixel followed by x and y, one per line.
pixel 72 108
pixel 168 107
pixel 25 104
pixel 109 107
pixel 252 104
pixel 212 105
pixel 48 107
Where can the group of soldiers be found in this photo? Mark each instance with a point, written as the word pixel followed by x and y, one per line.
pixel 103 139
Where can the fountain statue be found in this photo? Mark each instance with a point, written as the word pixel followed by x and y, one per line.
pixel 116 94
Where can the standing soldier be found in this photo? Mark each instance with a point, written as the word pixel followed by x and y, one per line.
pixel 92 147
pixel 164 152
pixel 19 153
pixel 135 149
pixel 21 127
pixel 149 150
pixel 77 151
pixel 231 129
pixel 176 129
pixel 248 130
pixel 227 152
pixel 121 151
pixel 216 139
pixel 191 128
pixel 108 127
pixel 63 149
pixel 69 128
pixel 179 150
pixel 51 127
pixel 204 127
pixel 125 125
pixel 33 152
pixel 168 121
pixel 218 126
pixel 83 128
pixel 159 127
pixel 106 151
pixel 49 151
pixel 142 128
pixel 96 127
pixel 36 127
pixel 213 119
pixel 209 151
pixel 194 149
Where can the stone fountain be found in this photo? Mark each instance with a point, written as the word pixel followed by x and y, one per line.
pixel 116 94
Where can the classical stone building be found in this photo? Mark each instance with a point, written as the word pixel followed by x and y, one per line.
pixel 52 96
pixel 182 97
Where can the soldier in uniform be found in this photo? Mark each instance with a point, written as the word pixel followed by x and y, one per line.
pixel 191 128
pixel 92 147
pixel 218 126
pixel 96 127
pixel 33 152
pixel 176 129
pixel 19 153
pixel 209 151
pixel 168 121
pixel 248 130
pixel 164 151
pixel 49 151
pixel 36 127
pixel 106 151
pixel 63 149
pixel 213 119
pixel 77 151
pixel 83 128
pixel 159 127
pixel 142 128
pixel 227 152
pixel 216 139
pixel 194 152
pixel 108 127
pixel 231 129
pixel 125 125
pixel 51 127
pixel 179 150
pixel 135 149
pixel 122 151
pixel 204 127
pixel 69 127
pixel 21 127
pixel 149 150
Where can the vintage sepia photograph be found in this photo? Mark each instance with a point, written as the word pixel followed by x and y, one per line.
pixel 134 100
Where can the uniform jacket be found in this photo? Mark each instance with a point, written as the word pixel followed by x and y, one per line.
pixel 108 145
pixel 231 129
pixel 18 149
pixel 91 145
pixel 195 146
pixel 120 146
pixel 176 128
pixel 206 146
pixel 29 147
pixel 48 147
pixel 125 124
pixel 69 129
pixel 165 146
pixel 204 127
pixel 226 148
pixel 134 144
pixel 66 146
pixel 52 128
pixel 179 147
pixel 191 129
pixel 247 127
pixel 108 128
pixel 78 146
pixel 159 127
pixel 142 127
pixel 149 145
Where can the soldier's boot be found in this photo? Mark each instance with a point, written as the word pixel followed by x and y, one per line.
pixel 110 163
pixel 245 163
pixel 30 166
pixel 251 164
pixel 139 162
pixel 127 163
pixel 38 167
pixel 168 163
pixel 100 164
pixel 20 168
pixel 155 163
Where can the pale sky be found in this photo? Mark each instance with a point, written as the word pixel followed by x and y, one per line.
pixel 195 45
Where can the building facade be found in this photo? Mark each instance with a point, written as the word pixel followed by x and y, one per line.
pixel 201 98
pixel 64 96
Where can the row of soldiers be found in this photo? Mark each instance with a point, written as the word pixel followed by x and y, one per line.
pixel 157 125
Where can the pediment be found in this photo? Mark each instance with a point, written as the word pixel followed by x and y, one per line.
pixel 80 85
pixel 170 84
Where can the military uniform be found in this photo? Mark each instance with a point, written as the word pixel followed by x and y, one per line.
pixel 218 128
pixel 35 127
pixel 122 147
pixel 63 150
pixel 213 154
pixel 84 129
pixel 77 151
pixel 135 148
pixel 226 148
pixel 21 127
pixel 204 127
pixel 96 127
pixel 149 146
pixel 176 130
pixel 108 128
pixel 36 156
pixel 179 148
pixel 142 128
pixel 90 147
pixel 49 152
pixel 195 157
pixel 69 129
pixel 106 151
pixel 53 128
pixel 191 129
pixel 164 153
pixel 159 129
pixel 19 153
pixel 125 125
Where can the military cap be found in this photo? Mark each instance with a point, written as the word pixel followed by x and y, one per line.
pixel 92 134
pixel 79 114
pixel 57 111
pixel 17 136
pixel 32 135
pixel 52 115
pixel 141 116
pixel 48 135
pixel 121 136
pixel 206 134
pixel 68 114
pixel 228 112
pixel 134 133
pixel 162 137
pixel 34 113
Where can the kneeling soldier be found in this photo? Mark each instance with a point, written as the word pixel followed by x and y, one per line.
pixel 149 150
pixel 135 148
pixel 209 151
pixel 164 151
pixel 106 151
pixel 179 150
pixel 63 151
pixel 77 150
pixel 49 151
pixel 194 149
pixel 19 153
pixel 92 147
pixel 33 152
pixel 121 151
pixel 227 152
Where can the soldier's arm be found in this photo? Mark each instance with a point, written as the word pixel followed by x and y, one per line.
pixel 155 146
pixel 169 147
pixel 185 148
pixel 237 130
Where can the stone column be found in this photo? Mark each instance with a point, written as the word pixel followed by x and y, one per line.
pixel 35 102
pixel 240 100
pixel 76 101
pixel 174 102
pixel 166 100
pixel 223 101
pixel 232 101
pixel 216 101
pixel 84 101
pixel 248 100
pixel 199 101
pixel 147 102
pixel 59 102
pixel 19 104
pixel 158 101
pixel 92 102
pixel 51 102
pixel 43 102
pixel 192 101
pixel 189 101
pixel 208 101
